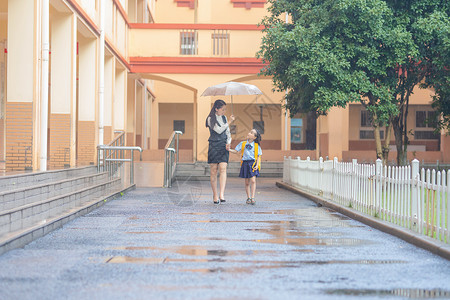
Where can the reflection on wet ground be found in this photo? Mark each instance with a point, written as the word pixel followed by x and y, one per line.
pixel 406 293
pixel 254 263
pixel 200 251
pixel 146 232
pixel 143 245
pixel 302 223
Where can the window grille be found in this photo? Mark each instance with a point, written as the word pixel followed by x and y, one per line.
pixel 296 130
pixel 220 42
pixel 425 135
pixel 369 135
pixel 366 119
pixel 179 125
pixel 426 119
pixel 188 42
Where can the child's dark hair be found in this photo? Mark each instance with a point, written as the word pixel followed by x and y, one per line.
pixel 258 137
pixel 218 104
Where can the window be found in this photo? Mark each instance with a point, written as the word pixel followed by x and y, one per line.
pixel 178 125
pixel 366 119
pixel 221 42
pixel 233 129
pixel 296 130
pixel 425 135
pixel 426 119
pixel 369 135
pixel 259 125
pixel 188 42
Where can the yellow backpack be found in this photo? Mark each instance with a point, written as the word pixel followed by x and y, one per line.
pixel 256 155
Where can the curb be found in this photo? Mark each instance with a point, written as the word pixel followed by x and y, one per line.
pixel 28 235
pixel 405 234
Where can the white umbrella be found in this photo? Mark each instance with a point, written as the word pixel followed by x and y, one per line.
pixel 232 88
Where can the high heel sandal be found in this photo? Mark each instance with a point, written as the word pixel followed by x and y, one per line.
pixel 216 202
pixel 249 201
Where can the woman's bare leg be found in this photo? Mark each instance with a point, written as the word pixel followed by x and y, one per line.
pixel 247 187
pixel 213 180
pixel 222 179
pixel 253 183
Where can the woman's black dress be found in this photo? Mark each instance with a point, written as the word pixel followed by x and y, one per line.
pixel 217 151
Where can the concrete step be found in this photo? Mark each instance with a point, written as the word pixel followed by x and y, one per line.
pixel 21 218
pixel 20 238
pixel 17 181
pixel 201 170
pixel 43 190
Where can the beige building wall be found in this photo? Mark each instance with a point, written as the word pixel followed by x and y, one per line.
pixel 61 81
pixel 168 112
pixel 20 85
pixel 87 100
pixel 3 55
pixel 108 98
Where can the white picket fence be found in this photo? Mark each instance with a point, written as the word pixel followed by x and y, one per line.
pixel 418 200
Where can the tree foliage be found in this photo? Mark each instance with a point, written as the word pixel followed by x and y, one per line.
pixel 334 52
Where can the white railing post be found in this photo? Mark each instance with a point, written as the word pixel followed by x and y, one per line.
pixel 289 170
pixel 354 183
pixel 414 193
pixel 334 180
pixel 298 172
pixel 447 203
pixel 308 177
pixel 378 172
pixel 320 177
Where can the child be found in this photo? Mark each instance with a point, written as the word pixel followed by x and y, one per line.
pixel 250 162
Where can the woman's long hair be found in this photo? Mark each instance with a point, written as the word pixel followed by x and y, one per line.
pixel 212 114
pixel 258 137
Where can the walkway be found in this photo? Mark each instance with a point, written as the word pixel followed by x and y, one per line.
pixel 174 243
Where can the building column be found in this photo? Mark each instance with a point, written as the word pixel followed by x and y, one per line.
pixel 108 135
pixel 154 130
pixel 21 85
pixel 202 111
pixel 73 93
pixel 336 137
pixel 286 131
pixel 62 80
pixel 138 124
pixel 87 101
pixel 120 103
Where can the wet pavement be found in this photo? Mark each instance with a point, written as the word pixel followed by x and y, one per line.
pixel 156 243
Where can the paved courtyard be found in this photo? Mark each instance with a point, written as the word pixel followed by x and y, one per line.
pixel 155 243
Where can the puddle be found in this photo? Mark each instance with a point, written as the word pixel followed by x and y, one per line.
pixel 404 293
pixel 295 232
pixel 146 232
pixel 135 260
pixel 251 264
pixel 264 265
pixel 314 242
pixel 133 248
pixel 330 223
pixel 200 251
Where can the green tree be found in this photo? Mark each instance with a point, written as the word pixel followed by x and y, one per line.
pixel 332 53
pixel 428 23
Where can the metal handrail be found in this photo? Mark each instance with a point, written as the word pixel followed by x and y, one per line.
pixel 170 163
pixel 113 157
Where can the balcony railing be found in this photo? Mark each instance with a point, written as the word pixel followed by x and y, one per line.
pixel 202 40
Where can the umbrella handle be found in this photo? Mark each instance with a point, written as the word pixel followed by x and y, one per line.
pixel 232 105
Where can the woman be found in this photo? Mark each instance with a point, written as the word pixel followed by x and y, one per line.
pixel 219 144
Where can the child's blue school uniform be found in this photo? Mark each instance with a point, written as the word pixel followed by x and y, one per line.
pixel 248 159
